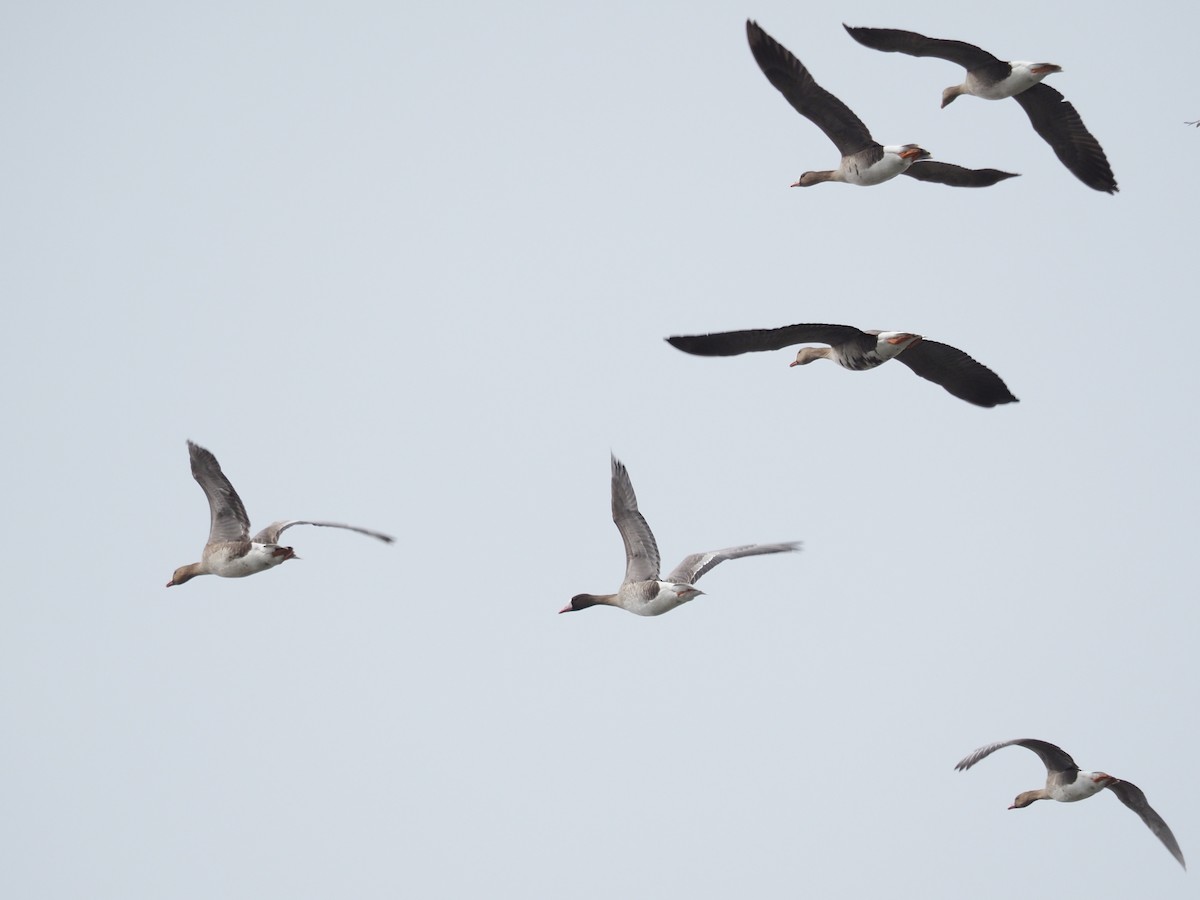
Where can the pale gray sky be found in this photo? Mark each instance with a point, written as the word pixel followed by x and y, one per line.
pixel 411 267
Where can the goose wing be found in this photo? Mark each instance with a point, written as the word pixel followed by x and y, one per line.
pixel 958 373
pixel 695 565
pixel 1131 795
pixel 270 534
pixel 955 176
pixel 893 40
pixel 1054 758
pixel 1055 119
pixel 641 551
pixel 733 343
pixel 808 98
pixel 228 519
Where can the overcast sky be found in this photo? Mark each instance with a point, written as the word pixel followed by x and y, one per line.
pixel 409 266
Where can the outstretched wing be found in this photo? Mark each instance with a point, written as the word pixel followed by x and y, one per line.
pixel 641 552
pixel 733 343
pixel 1131 795
pixel 229 521
pixel 1055 119
pixel 270 534
pixel 1055 759
pixel 808 98
pixel 955 176
pixel 957 372
pixel 692 567
pixel 893 40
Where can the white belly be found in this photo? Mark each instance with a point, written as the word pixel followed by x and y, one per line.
pixel 1020 79
pixel 1080 789
pixel 885 169
pixel 664 599
pixel 260 557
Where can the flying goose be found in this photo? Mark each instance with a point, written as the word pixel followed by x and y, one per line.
pixel 230 551
pixel 1052 116
pixel 642 591
pixel 1066 783
pixel 864 162
pixel 857 350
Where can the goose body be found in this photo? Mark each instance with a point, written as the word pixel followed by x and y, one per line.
pixel 1067 783
pixel 230 551
pixel 864 162
pixel 991 78
pixel 232 559
pixel 987 84
pixel 643 592
pixel 858 350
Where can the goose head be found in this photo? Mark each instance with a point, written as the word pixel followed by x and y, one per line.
pixel 808 179
pixel 184 574
pixel 805 355
pixel 583 601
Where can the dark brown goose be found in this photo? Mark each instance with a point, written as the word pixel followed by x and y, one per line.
pixel 991 78
pixel 864 161
pixel 1066 783
pixel 858 350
